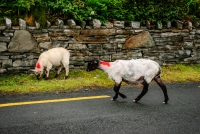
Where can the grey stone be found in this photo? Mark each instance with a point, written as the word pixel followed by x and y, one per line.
pixel 168 47
pixel 176 38
pixel 40 35
pixel 31 28
pixel 43 39
pixel 95 23
pixel 77 58
pixel 15 27
pixel 169 34
pixel 184 53
pixel 98 32
pixel 135 24
pixel 162 39
pixel 2 27
pixel 8 23
pixel 134 55
pixel 169 24
pixel 71 32
pixel 148 24
pixel 158 31
pixel 118 56
pixel 156 35
pixel 105 57
pixel 83 24
pixel 5 39
pixel 60 23
pixel 7 63
pixel 88 27
pixel 128 28
pixel 193 32
pixel 25 63
pixel 71 23
pixel 48 24
pixel 30 63
pixel 3 46
pixel 4 57
pixel 18 69
pixel 189 25
pixel 32 57
pixel 89 58
pixel 22 24
pixel 59 44
pixel 188 52
pixel 3 70
pixel 45 30
pixel 139 31
pixel 55 30
pixel 125 32
pixel 108 25
pixel 141 40
pixel 118 40
pixel 197 45
pixel 121 36
pixel 188 45
pixel 196 24
pixel 18 63
pixel 120 45
pixel 22 41
pixel 184 34
pixel 18 56
pixel 77 63
pixel 95 46
pixel 191 59
pixel 110 46
pixel 77 47
pixel 37 25
pixel 179 24
pixel 159 25
pixel 191 37
pixel 8 34
pixel 198 31
pixel 119 24
pixel 92 40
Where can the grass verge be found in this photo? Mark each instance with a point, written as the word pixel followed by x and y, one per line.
pixel 25 83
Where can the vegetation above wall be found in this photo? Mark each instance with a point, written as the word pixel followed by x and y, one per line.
pixel 104 10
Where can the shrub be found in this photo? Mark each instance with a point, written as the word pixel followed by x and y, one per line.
pixel 104 10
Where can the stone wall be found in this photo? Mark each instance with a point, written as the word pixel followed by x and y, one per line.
pixel 20 48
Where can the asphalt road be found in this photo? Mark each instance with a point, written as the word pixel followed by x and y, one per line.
pixel 103 116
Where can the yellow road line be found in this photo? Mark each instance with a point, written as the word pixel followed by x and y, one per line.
pixel 51 101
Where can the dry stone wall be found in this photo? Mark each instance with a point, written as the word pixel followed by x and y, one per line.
pixel 20 48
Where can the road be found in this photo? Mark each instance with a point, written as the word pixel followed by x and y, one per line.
pixel 103 116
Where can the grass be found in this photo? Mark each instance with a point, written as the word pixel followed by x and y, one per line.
pixel 26 83
pixel 181 73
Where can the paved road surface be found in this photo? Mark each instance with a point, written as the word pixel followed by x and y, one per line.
pixel 103 116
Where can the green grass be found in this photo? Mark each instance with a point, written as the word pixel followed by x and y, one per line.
pixel 181 73
pixel 25 83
